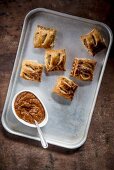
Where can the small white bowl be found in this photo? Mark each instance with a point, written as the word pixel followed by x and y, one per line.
pixel 43 123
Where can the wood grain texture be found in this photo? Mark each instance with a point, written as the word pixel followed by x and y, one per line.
pixel 18 153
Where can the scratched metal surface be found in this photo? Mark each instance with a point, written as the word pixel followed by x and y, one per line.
pixel 68 121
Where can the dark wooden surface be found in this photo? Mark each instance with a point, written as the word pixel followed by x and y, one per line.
pixel 19 153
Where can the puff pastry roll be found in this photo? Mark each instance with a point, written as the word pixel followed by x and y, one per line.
pixel 93 42
pixel 55 60
pixel 31 70
pixel 65 87
pixel 44 37
pixel 83 68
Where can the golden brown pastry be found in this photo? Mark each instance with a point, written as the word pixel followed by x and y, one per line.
pixel 31 70
pixel 44 37
pixel 55 60
pixel 93 41
pixel 65 87
pixel 83 68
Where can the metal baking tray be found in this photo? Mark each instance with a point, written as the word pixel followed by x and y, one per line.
pixel 68 121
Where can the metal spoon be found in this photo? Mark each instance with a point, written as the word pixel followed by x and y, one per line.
pixel 43 141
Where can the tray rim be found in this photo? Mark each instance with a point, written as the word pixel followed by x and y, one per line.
pixel 51 141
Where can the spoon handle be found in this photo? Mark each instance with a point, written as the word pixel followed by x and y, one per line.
pixel 43 141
